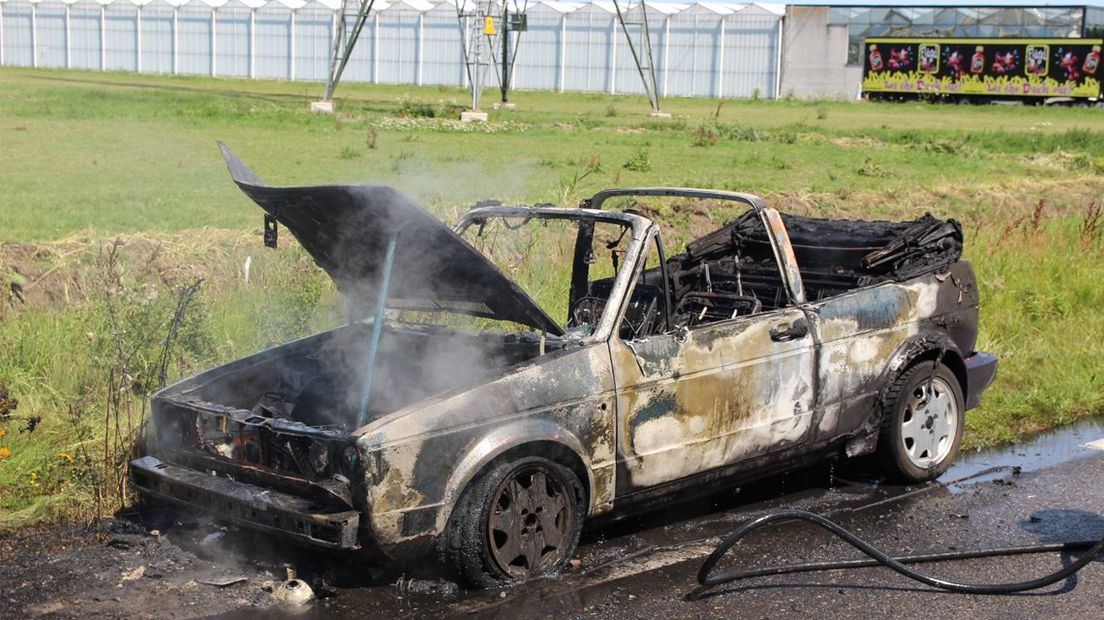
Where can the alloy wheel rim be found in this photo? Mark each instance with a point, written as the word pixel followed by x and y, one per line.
pixel 929 423
pixel 529 523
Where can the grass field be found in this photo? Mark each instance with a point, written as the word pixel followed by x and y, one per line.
pixel 87 159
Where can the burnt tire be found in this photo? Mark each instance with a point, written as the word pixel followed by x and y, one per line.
pixel 922 421
pixel 518 520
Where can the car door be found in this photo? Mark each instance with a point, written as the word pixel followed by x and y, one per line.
pixel 712 395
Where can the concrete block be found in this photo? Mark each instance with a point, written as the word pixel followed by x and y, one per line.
pixel 472 116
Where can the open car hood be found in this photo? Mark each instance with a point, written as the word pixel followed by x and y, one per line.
pixel 347 228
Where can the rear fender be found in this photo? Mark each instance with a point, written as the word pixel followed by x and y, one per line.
pixel 932 345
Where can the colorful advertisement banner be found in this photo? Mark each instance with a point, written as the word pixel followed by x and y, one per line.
pixel 986 67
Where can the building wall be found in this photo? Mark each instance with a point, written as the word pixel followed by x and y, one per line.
pixel 697 51
pixel 814 62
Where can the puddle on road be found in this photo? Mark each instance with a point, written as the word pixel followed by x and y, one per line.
pixel 1045 450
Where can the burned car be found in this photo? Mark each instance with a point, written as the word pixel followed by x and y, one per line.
pixel 454 414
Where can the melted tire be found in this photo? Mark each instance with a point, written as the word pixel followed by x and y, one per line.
pixel 467 541
pixel 891 454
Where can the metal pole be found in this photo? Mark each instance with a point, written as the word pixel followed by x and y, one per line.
pixel 666 51
pixel 292 47
pixel 563 49
pixel 375 51
pixel 214 41
pixel 252 43
pixel 377 326
pixel 68 41
pixel 138 41
pixel 103 40
pixel 778 61
pixel 420 48
pixel 175 42
pixel 694 60
pixel 613 57
pixel 504 83
pixel 641 51
pixel 34 35
pixel 337 36
pixel 720 60
pixel 463 50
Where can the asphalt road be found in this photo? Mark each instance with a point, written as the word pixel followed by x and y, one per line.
pixel 643 568
pixel 1064 502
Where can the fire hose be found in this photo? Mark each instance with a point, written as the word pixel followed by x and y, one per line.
pixel 709 580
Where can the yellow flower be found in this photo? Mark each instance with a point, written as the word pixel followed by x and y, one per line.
pixel 4 452
pixel 65 456
pixel 2 432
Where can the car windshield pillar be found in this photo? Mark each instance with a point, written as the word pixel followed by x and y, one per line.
pixel 635 227
pixel 665 271
pixel 580 270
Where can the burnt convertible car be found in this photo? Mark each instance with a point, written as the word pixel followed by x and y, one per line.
pixel 454 413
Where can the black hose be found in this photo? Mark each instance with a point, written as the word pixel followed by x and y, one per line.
pixel 897 564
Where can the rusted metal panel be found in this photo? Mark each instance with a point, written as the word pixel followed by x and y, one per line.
pixel 716 395
pixel 257 507
pixel 428 453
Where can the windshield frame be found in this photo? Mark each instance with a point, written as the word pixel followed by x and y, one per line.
pixel 638 228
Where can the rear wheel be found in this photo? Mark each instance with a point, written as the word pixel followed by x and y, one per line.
pixel 519 520
pixel 921 424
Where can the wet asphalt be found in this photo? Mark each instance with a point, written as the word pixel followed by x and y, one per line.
pixel 1047 490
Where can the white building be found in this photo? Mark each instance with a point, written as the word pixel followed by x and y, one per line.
pixel 705 49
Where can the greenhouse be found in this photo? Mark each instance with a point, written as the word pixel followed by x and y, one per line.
pixel 717 50
pixel 706 49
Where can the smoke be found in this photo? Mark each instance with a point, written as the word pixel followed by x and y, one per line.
pixel 449 186
pixel 325 379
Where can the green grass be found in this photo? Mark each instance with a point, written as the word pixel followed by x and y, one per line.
pixel 86 156
pixel 118 152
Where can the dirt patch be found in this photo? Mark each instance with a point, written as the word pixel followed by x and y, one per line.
pixel 7 403
pixel 122 568
pixel 41 276
pixel 857 143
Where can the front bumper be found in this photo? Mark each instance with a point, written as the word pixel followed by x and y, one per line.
pixel 255 507
pixel 981 369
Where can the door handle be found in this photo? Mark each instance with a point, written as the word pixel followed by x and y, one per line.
pixel 791 331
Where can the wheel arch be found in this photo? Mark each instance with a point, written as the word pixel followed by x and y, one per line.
pixel 931 346
pixel 924 348
pixel 533 438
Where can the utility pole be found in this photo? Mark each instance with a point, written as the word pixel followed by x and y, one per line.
pixel 634 18
pixel 504 85
pixel 514 23
pixel 479 36
pixel 342 48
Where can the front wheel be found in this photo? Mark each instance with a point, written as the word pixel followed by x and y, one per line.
pixel 518 520
pixel 921 424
